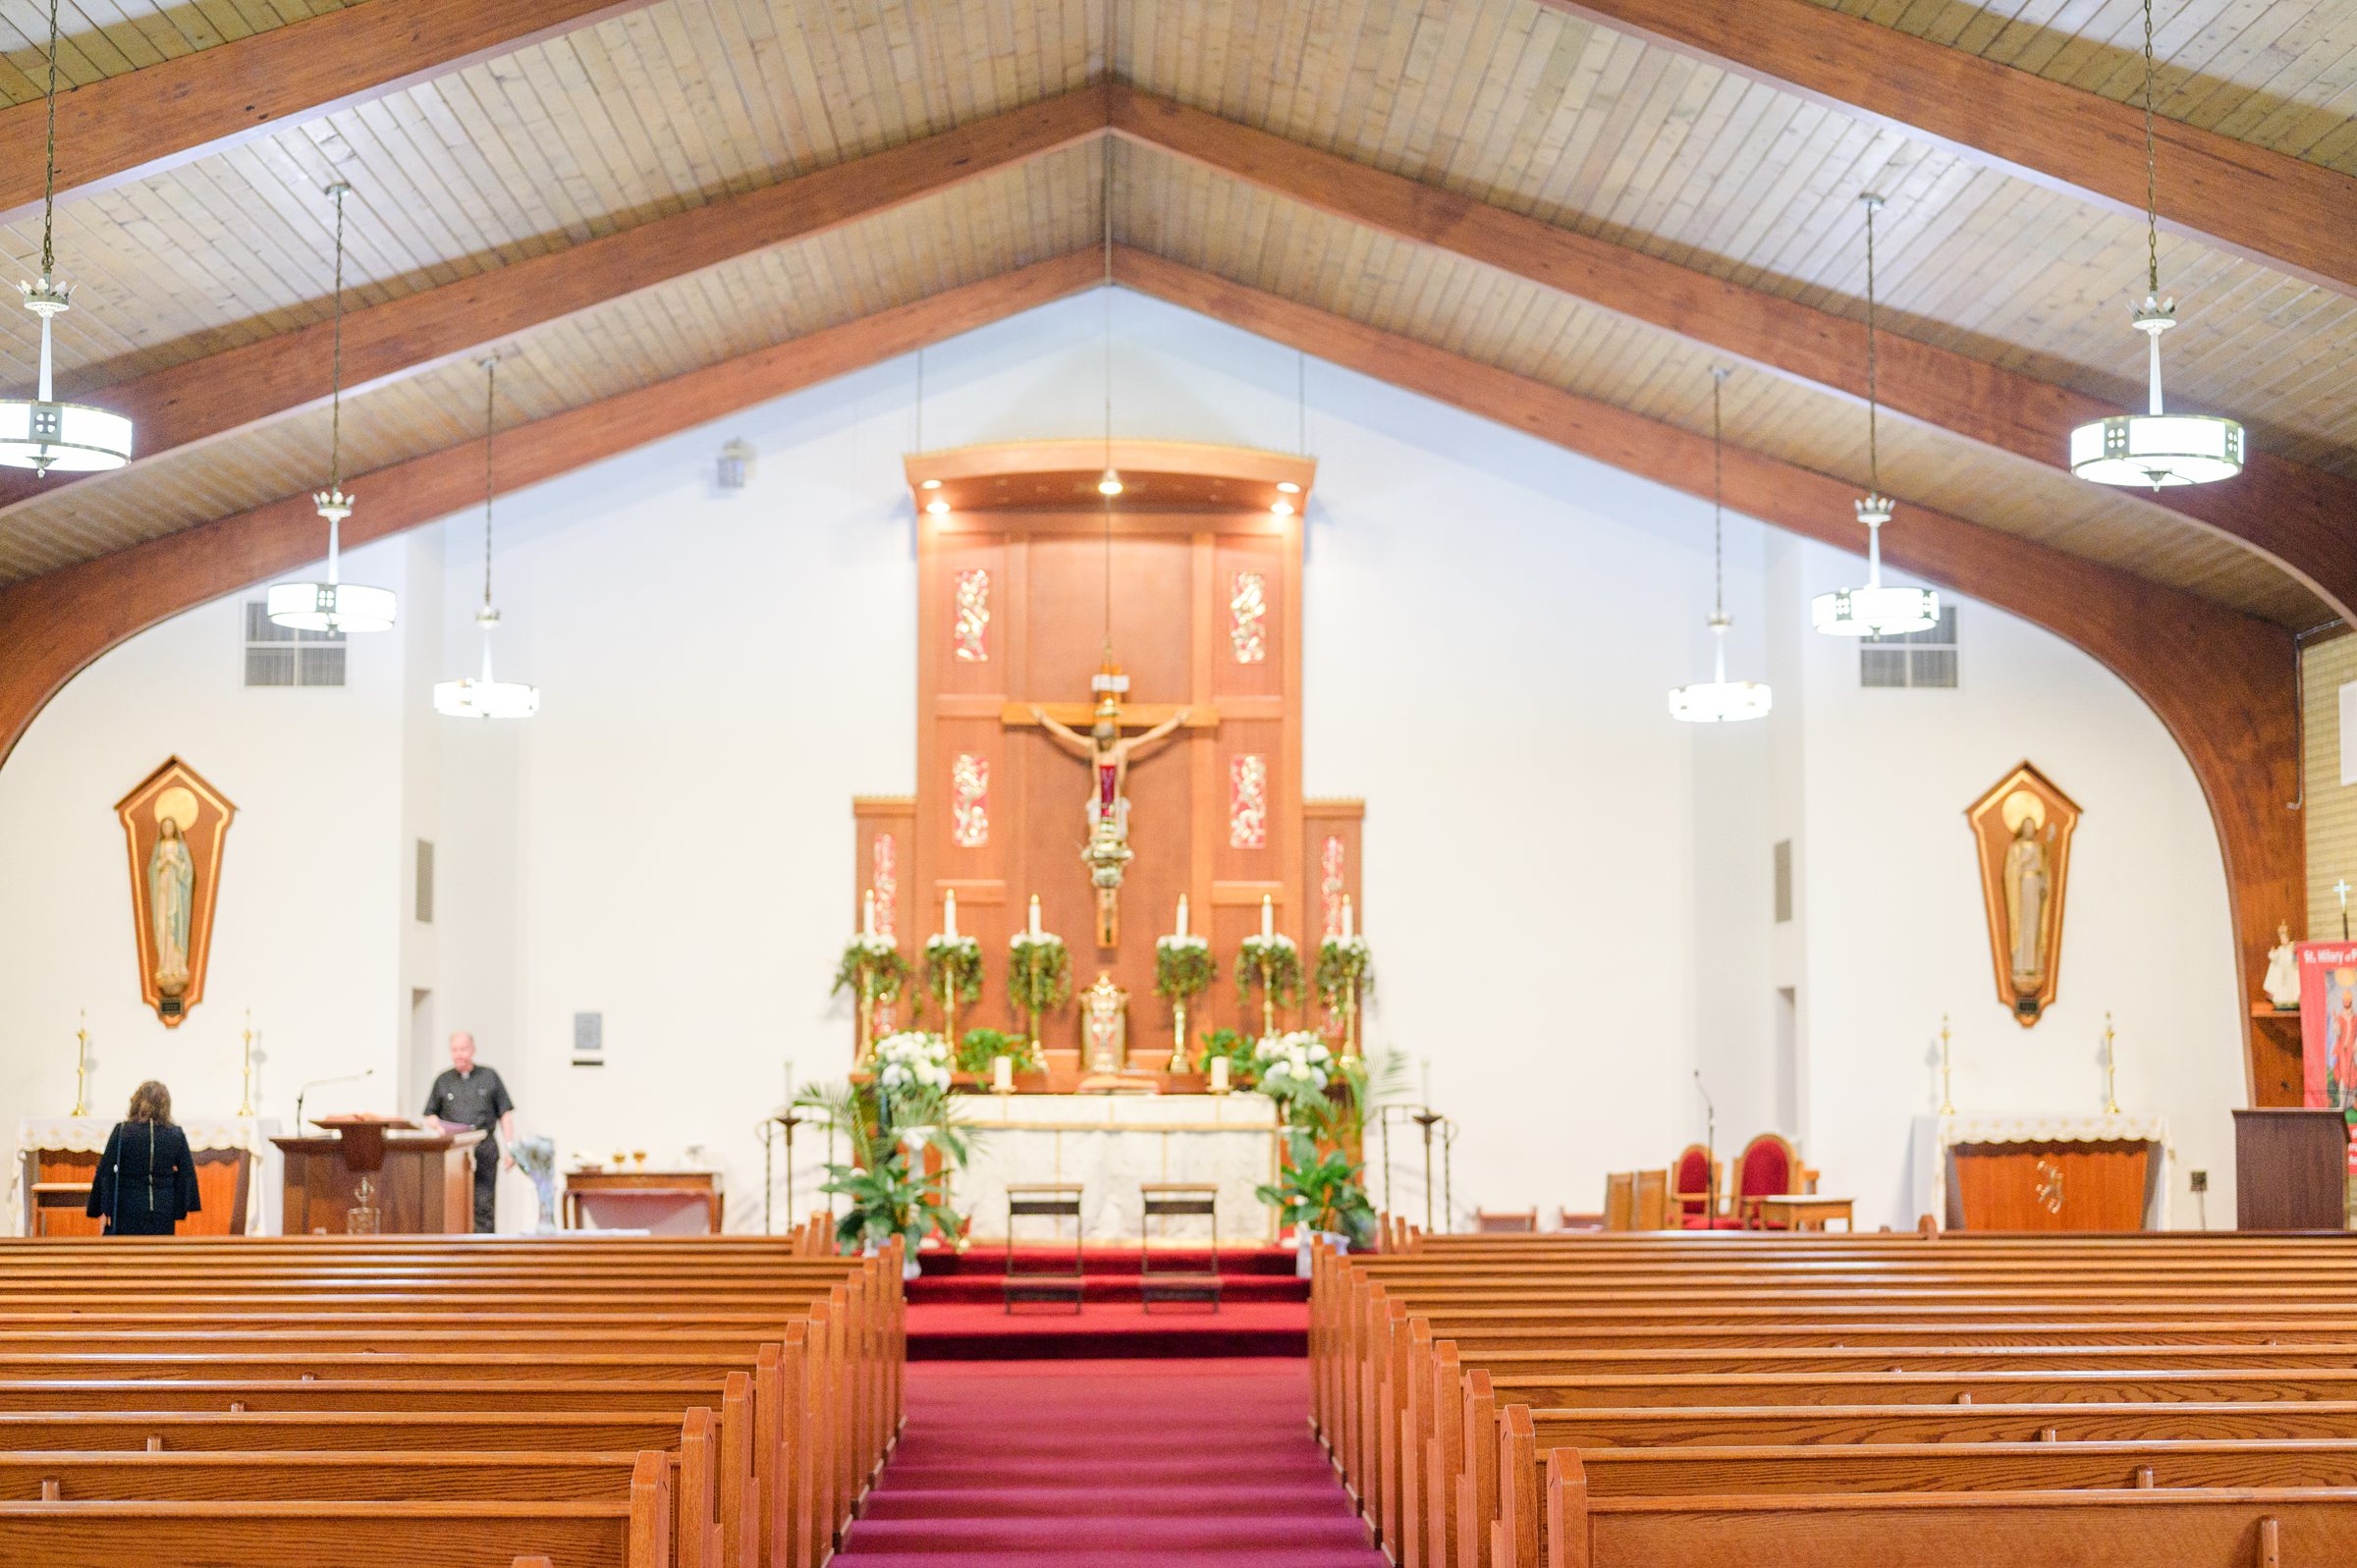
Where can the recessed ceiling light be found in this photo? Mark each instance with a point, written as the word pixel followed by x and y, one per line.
pixel 1110 482
pixel 1288 487
pixel 1282 509
pixel 930 484
pixel 936 505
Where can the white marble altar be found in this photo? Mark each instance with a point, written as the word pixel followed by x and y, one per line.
pixel 1111 1143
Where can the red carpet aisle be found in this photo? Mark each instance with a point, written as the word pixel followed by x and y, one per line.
pixel 1109 1464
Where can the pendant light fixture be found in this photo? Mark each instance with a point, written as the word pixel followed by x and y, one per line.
pixel 1108 483
pixel 487 698
pixel 1718 700
pixel 335 606
pixel 39 432
pixel 1873 611
pixel 2154 448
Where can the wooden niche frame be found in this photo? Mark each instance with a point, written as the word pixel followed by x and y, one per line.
pixel 172 790
pixel 1996 818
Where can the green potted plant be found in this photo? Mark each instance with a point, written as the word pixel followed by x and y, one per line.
pixel 1242 1069
pixel 982 1047
pixel 888 1124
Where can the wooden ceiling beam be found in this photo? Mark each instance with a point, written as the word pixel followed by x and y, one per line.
pixel 2292 515
pixel 2221 682
pixel 2278 210
pixel 139 122
pixel 51 626
pixel 217 394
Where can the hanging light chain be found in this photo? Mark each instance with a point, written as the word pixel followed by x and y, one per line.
pixel 1719 376
pixel 335 418
pixel 50 180
pixel 1874 465
pixel 490 427
pixel 2152 170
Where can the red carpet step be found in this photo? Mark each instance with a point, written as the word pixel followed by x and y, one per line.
pixel 958 1309
pixel 1090 1464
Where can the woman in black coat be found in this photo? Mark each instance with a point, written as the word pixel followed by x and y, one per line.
pixel 146 1180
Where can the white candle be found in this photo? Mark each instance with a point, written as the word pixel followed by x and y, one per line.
pixel 1350 927
pixel 1182 914
pixel 867 914
pixel 1268 916
pixel 949 912
pixel 1035 914
pixel 1219 1075
pixel 1002 1074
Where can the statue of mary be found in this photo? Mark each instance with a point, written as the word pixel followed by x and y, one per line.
pixel 171 894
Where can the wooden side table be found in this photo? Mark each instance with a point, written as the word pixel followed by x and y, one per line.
pixel 1046 1200
pixel 1806 1211
pixel 1166 1200
pixel 588 1182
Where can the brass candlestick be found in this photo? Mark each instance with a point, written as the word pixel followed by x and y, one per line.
pixel 1268 996
pixel 1031 991
pixel 1350 1024
pixel 246 1050
pixel 1948 1103
pixel 2110 1069
pixel 1178 1061
pixel 867 1020
pixel 82 1066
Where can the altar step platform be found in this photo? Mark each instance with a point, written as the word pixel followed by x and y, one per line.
pixel 958 1310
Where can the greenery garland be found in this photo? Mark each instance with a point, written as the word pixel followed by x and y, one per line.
pixel 874 960
pixel 1343 960
pixel 982 1047
pixel 953 962
pixel 1183 967
pixel 1039 971
pixel 1244 1067
pixel 1284 961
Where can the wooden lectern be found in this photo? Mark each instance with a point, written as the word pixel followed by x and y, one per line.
pixel 362 1180
pixel 2291 1169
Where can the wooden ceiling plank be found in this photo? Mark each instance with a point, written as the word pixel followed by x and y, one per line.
pixel 137 123
pixel 52 626
pixel 2281 211
pixel 203 399
pixel 2236 724
pixel 2290 512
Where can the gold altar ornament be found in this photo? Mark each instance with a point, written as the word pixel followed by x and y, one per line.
pixel 173 826
pixel 1104 1024
pixel 2022 830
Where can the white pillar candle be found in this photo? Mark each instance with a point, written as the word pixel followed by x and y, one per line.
pixel 867 914
pixel 1182 914
pixel 1035 914
pixel 1002 1074
pixel 1219 1075
pixel 1349 926
pixel 1268 916
pixel 949 912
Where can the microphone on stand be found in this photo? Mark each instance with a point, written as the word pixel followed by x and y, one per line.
pixel 322 1083
pixel 1710 1149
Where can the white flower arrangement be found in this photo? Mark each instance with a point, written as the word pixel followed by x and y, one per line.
pixel 871 946
pixel 1272 942
pixel 1296 1063
pixel 914 1056
pixel 938 947
pixel 1192 941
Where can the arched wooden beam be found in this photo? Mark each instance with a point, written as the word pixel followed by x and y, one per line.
pixel 2222 684
pixel 53 625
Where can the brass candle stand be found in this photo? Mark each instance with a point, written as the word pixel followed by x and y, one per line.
pixel 1948 1103
pixel 1178 1061
pixel 246 1048
pixel 1268 994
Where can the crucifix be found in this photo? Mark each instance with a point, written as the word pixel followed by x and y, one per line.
pixel 1108 753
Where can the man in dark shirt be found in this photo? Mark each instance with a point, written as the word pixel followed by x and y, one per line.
pixel 468 1096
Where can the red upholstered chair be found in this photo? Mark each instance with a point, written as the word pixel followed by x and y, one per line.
pixel 1694 1192
pixel 1769 1167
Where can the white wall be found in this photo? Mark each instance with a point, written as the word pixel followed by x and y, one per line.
pixel 1567 892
